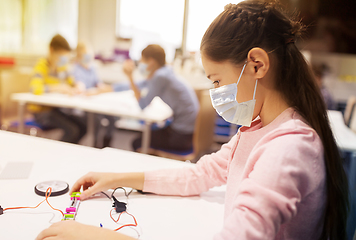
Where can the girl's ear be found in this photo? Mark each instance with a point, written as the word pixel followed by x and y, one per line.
pixel 260 62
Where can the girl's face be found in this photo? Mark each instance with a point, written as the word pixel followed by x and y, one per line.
pixel 224 73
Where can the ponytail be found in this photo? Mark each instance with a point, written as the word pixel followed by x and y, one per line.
pixel 305 97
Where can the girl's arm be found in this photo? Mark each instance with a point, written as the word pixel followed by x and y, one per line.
pixel 210 171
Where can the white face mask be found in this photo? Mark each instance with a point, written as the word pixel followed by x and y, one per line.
pixel 142 67
pixel 86 59
pixel 225 103
pixel 63 60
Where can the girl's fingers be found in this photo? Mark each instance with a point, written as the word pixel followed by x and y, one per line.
pixel 81 182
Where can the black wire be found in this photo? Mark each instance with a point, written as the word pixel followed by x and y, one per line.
pixel 112 194
pixel 130 192
pixel 106 195
pixel 126 194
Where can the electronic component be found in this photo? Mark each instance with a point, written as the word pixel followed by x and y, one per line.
pixel 72 210
pixel 119 206
pixel 58 188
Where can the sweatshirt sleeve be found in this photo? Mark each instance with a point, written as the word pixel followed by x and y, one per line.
pixel 210 171
pixel 37 85
pixel 286 169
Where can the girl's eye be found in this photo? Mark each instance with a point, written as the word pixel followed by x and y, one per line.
pixel 216 83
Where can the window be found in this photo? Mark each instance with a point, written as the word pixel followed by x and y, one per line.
pixel 148 22
pixel 10 25
pixel 161 21
pixel 27 26
pixel 201 14
pixel 45 18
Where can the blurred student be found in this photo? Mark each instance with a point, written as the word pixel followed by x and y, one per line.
pixel 84 72
pixel 162 82
pixel 51 75
pixel 318 71
pixel 87 78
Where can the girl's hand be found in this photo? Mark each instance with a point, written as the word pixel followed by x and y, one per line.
pixel 72 230
pixel 95 182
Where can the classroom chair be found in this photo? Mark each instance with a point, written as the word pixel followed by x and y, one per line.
pixel 224 130
pixel 203 135
pixel 16 80
pixel 12 81
pixel 349 110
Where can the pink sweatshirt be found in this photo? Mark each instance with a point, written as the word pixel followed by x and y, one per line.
pixel 274 176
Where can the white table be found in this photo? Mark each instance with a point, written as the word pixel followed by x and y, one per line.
pixel 158 217
pixel 121 104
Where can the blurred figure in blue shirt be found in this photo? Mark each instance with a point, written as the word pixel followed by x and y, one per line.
pixel 86 77
pixel 162 82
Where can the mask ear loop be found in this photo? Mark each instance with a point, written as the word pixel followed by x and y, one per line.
pixel 254 92
pixel 242 71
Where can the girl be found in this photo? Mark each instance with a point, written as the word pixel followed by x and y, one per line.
pixel 283 170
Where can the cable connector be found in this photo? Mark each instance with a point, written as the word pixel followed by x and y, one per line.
pixel 1 210
pixel 119 206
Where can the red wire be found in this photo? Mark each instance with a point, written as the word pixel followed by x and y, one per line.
pixel 47 196
pixel 126 225
pixel 113 217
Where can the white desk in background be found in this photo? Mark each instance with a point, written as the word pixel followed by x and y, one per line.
pixel 345 137
pixel 121 104
pixel 158 217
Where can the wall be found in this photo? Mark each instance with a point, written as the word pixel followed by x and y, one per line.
pixel 96 24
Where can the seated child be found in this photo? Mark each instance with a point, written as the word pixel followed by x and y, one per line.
pixel 51 75
pixel 162 82
pixel 85 75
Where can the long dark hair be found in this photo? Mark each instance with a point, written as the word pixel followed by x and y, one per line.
pixel 253 23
